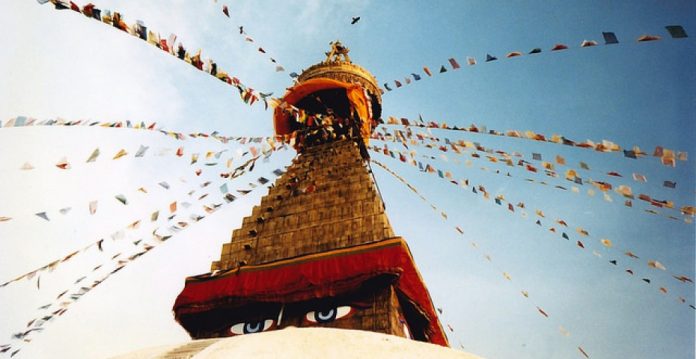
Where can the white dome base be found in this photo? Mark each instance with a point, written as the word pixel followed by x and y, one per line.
pixel 303 343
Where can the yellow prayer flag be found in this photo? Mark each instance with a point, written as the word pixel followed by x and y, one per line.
pixel 120 154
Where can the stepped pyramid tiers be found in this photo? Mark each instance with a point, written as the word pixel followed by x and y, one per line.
pixel 319 250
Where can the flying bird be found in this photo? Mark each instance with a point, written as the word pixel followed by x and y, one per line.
pixel 355 19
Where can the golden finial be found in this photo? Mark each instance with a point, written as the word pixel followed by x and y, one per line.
pixel 337 50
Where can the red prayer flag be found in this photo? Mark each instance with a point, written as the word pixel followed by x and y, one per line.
pixel 454 63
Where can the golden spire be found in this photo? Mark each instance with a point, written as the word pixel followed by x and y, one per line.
pixel 337 50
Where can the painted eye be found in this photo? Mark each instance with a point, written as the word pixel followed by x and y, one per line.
pixel 251 327
pixel 328 315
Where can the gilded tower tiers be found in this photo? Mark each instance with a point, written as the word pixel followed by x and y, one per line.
pixel 318 250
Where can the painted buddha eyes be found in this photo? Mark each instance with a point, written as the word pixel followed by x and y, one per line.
pixel 325 315
pixel 251 327
pixel 328 315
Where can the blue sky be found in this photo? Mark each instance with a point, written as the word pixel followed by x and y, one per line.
pixel 60 64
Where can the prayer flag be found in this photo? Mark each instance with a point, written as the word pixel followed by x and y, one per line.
pixel 607 243
pixel 386 86
pixel 141 151
pixel 676 31
pixel 43 215
pixel 513 54
pixel 683 278
pixel 471 61
pixel 588 43
pixel 93 156
pixel 644 38
pixel 610 38
pixel 63 164
pixel 26 166
pixel 427 71
pixel 583 352
pixel 454 63
pixel 535 50
pixel 443 69
pixel 630 254
pixel 416 76
pixel 490 58
pixel 670 184
pixel 656 265
pixel 93 207
pixel 639 178
pixel 120 154
pixel 559 47
pixel 121 198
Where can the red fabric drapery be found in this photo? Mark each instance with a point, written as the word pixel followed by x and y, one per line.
pixel 313 276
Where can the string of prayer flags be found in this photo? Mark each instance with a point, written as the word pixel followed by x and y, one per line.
pixel 177 49
pixel 570 174
pixel 581 231
pixel 675 31
pixel 667 156
pixel 506 275
pixel 78 290
pixel 128 125
pixel 118 235
pixel 247 38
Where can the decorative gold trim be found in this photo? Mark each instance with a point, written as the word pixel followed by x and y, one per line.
pixel 342 70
